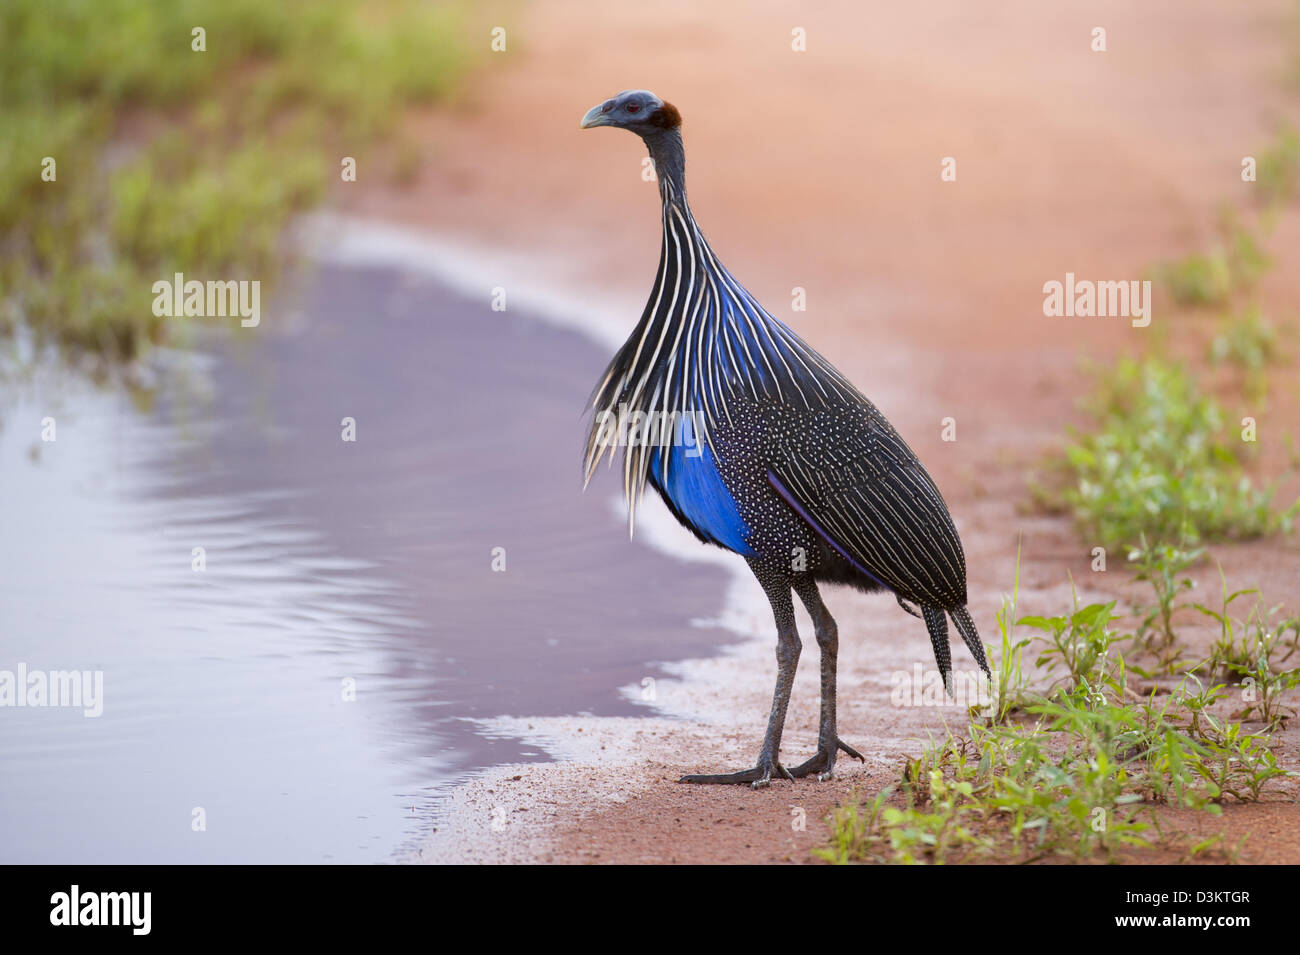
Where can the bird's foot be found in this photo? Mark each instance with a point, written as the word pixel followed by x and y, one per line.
pixel 823 761
pixel 758 777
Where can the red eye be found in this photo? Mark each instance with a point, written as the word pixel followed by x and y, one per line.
pixel 632 107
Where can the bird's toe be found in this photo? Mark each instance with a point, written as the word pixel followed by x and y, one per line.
pixel 849 750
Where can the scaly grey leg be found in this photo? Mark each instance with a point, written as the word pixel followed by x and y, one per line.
pixel 787 661
pixel 828 743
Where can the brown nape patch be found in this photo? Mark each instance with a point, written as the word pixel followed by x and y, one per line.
pixel 666 116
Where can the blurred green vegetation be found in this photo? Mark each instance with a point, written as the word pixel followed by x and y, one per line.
pixel 1250 344
pixel 1277 175
pixel 173 160
pixel 1236 260
pixel 1233 265
pixel 1162 463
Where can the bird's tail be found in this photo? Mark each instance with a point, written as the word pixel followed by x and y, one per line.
pixel 970 636
pixel 937 624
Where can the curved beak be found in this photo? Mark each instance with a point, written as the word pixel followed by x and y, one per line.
pixel 595 117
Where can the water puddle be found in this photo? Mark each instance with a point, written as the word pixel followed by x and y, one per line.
pixel 333 569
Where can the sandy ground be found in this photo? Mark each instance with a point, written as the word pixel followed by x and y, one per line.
pixel 821 170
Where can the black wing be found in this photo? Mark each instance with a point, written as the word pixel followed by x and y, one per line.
pixel 851 476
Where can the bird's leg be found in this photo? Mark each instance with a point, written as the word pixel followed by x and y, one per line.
pixel 787 661
pixel 828 743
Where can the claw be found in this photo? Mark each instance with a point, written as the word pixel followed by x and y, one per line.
pixel 759 777
pixel 850 750
pixel 823 761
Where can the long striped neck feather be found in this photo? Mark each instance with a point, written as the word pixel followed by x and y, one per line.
pixel 702 345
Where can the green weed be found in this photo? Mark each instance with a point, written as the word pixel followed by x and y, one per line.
pixel 1163 566
pixel 1233 265
pixel 1162 464
pixel 1251 344
pixel 1084 776
pixel 171 159
pixel 1078 641
pixel 1008 664
pixel 1254 652
pixel 1277 172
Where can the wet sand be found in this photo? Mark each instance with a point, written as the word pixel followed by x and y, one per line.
pixel 820 170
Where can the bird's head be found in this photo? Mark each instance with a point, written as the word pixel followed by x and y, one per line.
pixel 638 110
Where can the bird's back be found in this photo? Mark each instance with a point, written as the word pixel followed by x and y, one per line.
pixel 848 473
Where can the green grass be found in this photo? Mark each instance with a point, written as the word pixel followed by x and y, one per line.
pixel 170 159
pixel 1247 341
pixel 1163 463
pixel 1255 651
pixel 1009 678
pixel 1233 265
pixel 1083 780
pixel 1277 174
pixel 1163 566
pixel 1085 767
pixel 1236 258
pixel 1250 345
pixel 1200 278
pixel 1076 641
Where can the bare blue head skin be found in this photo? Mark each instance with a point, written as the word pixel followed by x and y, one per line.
pixel 655 121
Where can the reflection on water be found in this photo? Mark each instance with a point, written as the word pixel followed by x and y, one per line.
pixel 329 565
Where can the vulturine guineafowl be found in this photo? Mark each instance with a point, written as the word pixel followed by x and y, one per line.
pixel 759 445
